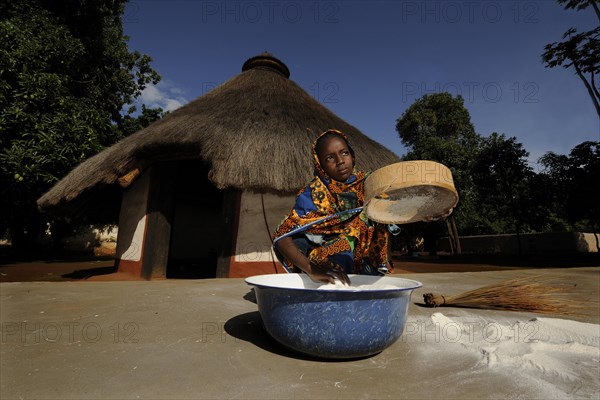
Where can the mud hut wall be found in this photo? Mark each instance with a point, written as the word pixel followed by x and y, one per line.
pixel 132 225
pixel 253 249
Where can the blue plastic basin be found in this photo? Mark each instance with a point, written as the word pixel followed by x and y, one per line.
pixel 330 322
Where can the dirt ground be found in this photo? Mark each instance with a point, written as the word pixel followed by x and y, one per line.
pixel 103 269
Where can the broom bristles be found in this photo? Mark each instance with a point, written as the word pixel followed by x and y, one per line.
pixel 521 294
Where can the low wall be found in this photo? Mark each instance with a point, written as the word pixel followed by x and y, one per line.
pixel 531 243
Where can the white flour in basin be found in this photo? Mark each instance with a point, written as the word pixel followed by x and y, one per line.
pixel 340 286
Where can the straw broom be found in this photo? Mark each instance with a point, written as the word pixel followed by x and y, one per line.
pixel 522 294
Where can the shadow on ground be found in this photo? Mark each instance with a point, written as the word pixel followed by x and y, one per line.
pixel 249 328
pixel 90 272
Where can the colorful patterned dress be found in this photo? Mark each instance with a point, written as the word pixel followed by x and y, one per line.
pixel 326 226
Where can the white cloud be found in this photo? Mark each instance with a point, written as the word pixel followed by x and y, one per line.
pixel 150 95
pixel 164 95
pixel 172 104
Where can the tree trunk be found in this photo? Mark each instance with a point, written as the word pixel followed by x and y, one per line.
pixel 453 236
pixel 589 88
pixel 595 6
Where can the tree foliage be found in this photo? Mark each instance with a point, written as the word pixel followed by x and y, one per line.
pixel 501 176
pixel 438 127
pixel 575 184
pixel 579 50
pixel 66 74
pixel 499 191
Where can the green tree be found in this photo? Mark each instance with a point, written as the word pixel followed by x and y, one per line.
pixel 584 206
pixel 580 51
pixel 551 188
pixel 575 178
pixel 438 127
pixel 544 204
pixel 501 174
pixel 66 74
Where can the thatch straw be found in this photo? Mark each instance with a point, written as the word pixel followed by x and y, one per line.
pixel 253 131
pixel 529 294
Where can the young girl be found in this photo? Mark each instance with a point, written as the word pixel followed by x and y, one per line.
pixel 347 242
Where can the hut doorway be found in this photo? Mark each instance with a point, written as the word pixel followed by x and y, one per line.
pixel 197 225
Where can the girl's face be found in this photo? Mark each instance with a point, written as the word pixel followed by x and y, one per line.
pixel 336 159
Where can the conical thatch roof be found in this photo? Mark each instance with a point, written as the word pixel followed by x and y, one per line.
pixel 254 130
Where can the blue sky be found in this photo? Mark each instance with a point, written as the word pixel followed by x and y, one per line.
pixel 368 61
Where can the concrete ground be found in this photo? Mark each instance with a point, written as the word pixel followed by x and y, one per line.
pixel 202 339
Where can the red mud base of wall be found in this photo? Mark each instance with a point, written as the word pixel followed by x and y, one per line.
pixel 130 267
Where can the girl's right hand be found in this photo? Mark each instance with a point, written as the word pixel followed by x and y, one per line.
pixel 328 274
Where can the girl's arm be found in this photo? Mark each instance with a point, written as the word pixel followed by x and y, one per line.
pixel 292 253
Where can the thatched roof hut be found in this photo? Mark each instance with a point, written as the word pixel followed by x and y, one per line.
pixel 252 134
pixel 255 130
